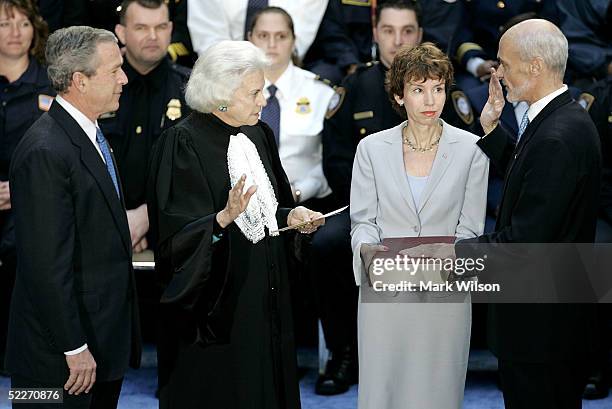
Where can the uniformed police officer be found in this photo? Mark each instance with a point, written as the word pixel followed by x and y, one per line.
pixel 363 108
pixel 25 94
pixel 587 24
pixel 151 102
pixel 474 45
pixel 597 100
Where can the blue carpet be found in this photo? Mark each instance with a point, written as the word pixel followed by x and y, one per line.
pixel 481 391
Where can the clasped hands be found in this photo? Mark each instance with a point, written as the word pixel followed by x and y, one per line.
pixel 237 202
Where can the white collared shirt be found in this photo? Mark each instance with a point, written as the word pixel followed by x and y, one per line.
pixel 303 102
pixel 85 123
pixel 540 104
pixel 211 21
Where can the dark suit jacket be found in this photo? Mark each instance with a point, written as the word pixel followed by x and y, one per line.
pixel 75 283
pixel 550 195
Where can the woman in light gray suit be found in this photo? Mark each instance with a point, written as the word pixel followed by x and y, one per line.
pixel 420 178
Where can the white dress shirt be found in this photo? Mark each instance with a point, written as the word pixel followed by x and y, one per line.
pixel 303 101
pixel 539 105
pixel 85 123
pixel 90 129
pixel 211 21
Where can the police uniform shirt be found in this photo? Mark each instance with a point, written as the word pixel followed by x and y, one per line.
pixel 303 101
pixel 21 103
pixel 148 105
pixel 483 20
pixel 597 100
pixel 211 21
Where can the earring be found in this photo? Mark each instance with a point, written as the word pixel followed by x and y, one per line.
pixel 401 103
pixel 222 108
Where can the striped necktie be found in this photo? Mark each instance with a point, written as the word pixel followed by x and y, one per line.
pixel 270 114
pixel 522 126
pixel 108 158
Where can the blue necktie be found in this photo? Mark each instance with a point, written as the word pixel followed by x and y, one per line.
pixel 252 7
pixel 107 158
pixel 271 113
pixel 522 126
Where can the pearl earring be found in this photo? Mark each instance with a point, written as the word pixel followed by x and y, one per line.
pixel 222 108
pixel 401 103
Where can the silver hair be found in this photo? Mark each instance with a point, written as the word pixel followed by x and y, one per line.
pixel 73 49
pixel 547 43
pixel 219 71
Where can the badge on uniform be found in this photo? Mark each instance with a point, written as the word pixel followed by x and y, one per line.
pixel 585 100
pixel 336 102
pixel 462 107
pixel 303 106
pixel 44 102
pixel 174 109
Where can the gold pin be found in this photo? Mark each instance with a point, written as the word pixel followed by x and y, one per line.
pixel 138 130
pixel 303 106
pixel 501 5
pixel 362 131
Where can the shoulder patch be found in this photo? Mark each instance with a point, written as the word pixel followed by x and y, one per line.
pixel 462 107
pixel 585 100
pixel 44 102
pixel 336 102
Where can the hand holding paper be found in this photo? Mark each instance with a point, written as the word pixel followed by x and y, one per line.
pixel 306 222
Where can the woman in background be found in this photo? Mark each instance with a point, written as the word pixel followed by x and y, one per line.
pixel 297 102
pixel 25 93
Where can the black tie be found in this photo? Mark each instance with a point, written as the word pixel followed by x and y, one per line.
pixel 252 8
pixel 271 113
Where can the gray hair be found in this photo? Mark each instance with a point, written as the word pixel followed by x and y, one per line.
pixel 219 71
pixel 73 49
pixel 546 42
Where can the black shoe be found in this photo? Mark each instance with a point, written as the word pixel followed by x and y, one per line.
pixel 341 372
pixel 598 387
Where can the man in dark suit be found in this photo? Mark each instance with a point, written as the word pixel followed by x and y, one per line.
pixel 550 195
pixel 551 188
pixel 74 317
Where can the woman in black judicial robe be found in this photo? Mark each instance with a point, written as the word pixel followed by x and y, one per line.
pixel 226 305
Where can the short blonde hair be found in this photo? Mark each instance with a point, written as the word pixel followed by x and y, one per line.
pixel 219 71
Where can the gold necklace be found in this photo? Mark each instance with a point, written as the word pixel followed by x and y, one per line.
pixel 413 146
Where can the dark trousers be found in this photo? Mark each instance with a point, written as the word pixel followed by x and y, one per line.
pixel 331 271
pixel 7 281
pixel 544 386
pixel 103 395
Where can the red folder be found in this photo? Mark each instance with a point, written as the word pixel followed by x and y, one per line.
pixel 397 244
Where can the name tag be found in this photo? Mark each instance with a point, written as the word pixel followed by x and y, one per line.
pixel 363 115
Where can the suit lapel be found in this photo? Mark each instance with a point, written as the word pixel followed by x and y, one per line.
pixel 395 160
pixel 443 159
pixel 97 168
pixel 529 133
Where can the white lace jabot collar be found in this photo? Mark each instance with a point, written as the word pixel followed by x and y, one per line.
pixel 243 159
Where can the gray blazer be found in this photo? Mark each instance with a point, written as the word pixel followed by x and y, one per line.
pixel 452 203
